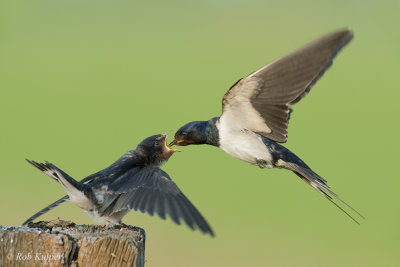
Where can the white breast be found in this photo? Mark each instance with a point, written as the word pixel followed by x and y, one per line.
pixel 242 143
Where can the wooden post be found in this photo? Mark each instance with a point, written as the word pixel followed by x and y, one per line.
pixel 61 243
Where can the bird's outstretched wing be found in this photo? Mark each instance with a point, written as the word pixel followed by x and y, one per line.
pixel 261 101
pixel 150 189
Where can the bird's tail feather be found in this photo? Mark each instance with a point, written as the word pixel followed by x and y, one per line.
pixel 70 185
pixel 320 185
pixel 46 209
pixel 79 193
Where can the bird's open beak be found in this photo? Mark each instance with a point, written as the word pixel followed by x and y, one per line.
pixel 170 144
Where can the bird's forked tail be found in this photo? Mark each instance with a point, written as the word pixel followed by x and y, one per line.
pixel 79 193
pixel 318 183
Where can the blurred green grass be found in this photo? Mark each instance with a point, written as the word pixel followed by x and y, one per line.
pixel 84 81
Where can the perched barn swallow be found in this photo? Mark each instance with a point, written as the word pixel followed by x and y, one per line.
pixel 134 182
pixel 256 111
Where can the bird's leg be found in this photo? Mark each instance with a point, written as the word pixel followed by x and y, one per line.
pixel 263 164
pixel 110 225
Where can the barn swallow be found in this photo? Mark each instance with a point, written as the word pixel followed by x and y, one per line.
pixel 257 108
pixel 134 182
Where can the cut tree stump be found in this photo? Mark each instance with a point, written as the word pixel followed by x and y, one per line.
pixel 61 243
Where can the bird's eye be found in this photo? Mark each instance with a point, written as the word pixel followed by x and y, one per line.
pixel 184 133
pixel 156 143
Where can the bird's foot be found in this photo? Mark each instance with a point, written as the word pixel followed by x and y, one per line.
pixel 124 226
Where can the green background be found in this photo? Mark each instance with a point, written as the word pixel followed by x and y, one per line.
pixel 82 82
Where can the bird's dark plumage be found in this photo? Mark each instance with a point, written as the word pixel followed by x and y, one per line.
pixel 133 182
pixel 257 108
pixel 198 133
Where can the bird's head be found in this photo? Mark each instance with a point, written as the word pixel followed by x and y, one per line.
pixel 192 133
pixel 156 149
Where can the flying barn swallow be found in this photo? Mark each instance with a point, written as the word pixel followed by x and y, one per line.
pixel 134 182
pixel 257 108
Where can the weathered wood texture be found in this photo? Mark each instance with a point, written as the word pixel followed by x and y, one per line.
pixel 60 243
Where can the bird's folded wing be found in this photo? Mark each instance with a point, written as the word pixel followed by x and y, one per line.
pixel 150 189
pixel 261 101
